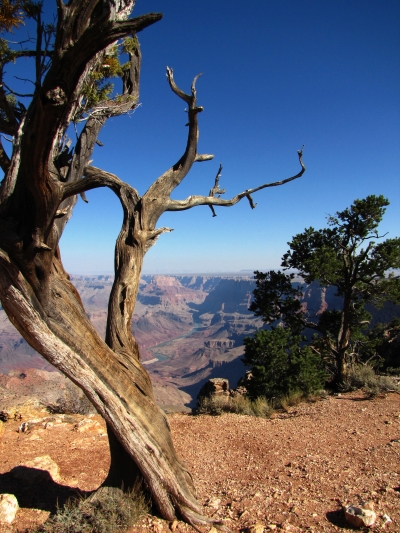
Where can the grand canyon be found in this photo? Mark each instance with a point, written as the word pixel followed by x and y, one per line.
pixel 189 329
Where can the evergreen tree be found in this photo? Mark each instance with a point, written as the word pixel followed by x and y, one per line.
pixel 347 256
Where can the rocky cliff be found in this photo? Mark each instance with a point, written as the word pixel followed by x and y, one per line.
pixel 189 328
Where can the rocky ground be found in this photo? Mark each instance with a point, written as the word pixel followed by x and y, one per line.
pixel 292 472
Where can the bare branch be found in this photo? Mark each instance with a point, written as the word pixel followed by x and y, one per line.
pixel 10 179
pixel 28 95
pixel 94 179
pixel 167 182
pixel 203 157
pixel 194 201
pixel 216 190
pixel 189 99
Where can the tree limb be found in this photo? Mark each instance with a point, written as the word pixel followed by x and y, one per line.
pixel 93 179
pixel 194 201
pixel 167 182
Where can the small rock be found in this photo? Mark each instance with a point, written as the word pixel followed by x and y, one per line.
pixel 23 428
pixel 173 525
pixel 214 503
pixel 34 436
pixel 8 508
pixel 359 517
pixel 256 528
pixel 369 504
pixel 386 519
pixel 157 527
pixel 89 425
pixel 2 428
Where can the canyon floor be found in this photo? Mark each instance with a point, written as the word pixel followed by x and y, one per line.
pixel 292 472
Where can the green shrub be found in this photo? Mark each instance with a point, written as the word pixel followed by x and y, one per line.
pixel 108 513
pixel 281 366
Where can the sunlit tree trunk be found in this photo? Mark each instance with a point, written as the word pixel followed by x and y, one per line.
pixel 42 180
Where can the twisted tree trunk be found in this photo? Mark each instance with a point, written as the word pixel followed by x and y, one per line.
pixel 42 180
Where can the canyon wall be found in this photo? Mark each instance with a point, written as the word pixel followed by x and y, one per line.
pixel 189 329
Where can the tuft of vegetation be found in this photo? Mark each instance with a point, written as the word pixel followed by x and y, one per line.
pixel 73 402
pixel 364 377
pixel 292 399
pixel 241 405
pixel 108 513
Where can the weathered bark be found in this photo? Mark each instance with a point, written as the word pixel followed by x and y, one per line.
pixel 343 340
pixel 37 196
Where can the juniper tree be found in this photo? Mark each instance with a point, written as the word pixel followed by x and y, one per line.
pixel 44 174
pixel 346 255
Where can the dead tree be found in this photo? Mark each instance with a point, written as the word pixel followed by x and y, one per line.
pixel 42 178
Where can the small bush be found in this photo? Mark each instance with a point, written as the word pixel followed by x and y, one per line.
pixel 72 403
pixel 241 405
pixel 280 365
pixel 108 513
pixel 262 407
pixel 364 377
pixel 291 399
pixel 214 405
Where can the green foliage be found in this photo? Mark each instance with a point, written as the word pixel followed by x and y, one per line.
pixel 13 13
pixel 108 513
pixel 344 255
pixel 280 366
pixel 130 45
pixel 6 54
pixel 12 102
pixel 276 298
pixel 98 88
pixel 382 346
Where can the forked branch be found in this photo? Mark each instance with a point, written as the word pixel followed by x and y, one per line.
pixel 194 201
pixel 167 182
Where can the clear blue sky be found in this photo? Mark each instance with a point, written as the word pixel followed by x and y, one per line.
pixel 277 74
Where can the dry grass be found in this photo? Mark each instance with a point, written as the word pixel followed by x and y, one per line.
pixel 291 399
pixel 364 377
pixel 106 514
pixel 237 404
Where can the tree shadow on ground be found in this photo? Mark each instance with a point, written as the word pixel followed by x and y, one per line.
pixel 35 489
pixel 337 519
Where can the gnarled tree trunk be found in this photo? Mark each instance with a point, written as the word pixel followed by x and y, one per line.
pixel 42 180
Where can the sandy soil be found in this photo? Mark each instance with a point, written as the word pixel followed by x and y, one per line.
pixel 289 473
